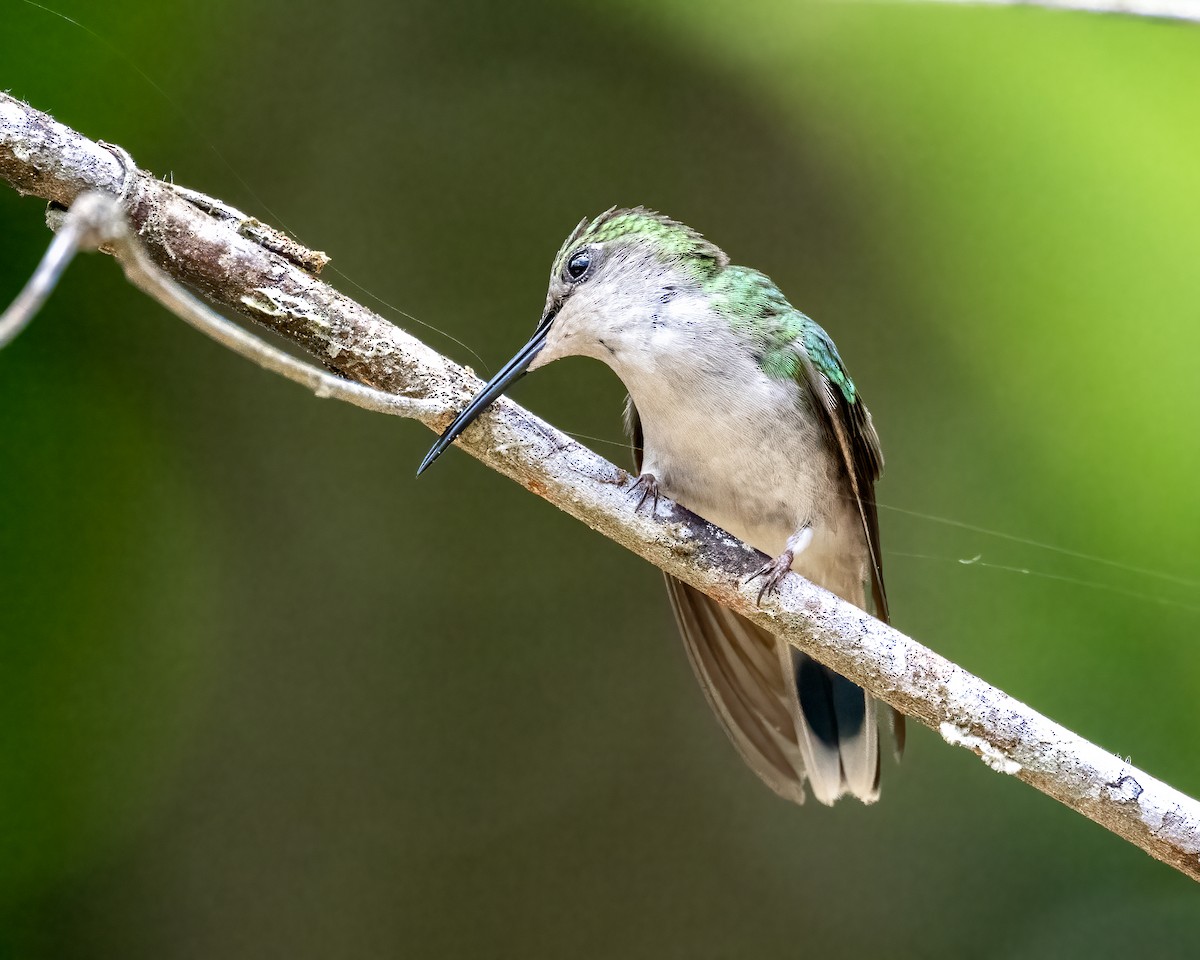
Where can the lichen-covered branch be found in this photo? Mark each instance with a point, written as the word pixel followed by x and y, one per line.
pixel 269 283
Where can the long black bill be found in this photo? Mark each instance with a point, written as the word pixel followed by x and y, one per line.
pixel 496 386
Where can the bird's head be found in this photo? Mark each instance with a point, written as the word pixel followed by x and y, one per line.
pixel 610 282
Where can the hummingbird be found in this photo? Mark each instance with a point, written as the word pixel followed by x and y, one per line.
pixel 741 410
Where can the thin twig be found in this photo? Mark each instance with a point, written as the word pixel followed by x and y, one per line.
pixel 80 233
pixel 97 220
pixel 147 277
pixel 38 155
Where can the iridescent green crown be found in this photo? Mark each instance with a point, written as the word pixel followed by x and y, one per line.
pixel 670 239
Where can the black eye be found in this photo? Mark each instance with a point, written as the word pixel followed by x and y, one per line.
pixel 578 265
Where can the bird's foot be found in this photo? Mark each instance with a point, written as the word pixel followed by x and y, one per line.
pixel 647 483
pixel 773 573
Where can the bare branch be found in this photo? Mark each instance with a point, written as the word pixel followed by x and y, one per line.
pixel 1154 9
pixel 38 155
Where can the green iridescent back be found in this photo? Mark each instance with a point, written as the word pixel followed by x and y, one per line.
pixel 755 307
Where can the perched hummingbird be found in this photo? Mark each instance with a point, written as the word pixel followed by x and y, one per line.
pixel 741 410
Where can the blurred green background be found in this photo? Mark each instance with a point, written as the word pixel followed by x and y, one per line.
pixel 263 694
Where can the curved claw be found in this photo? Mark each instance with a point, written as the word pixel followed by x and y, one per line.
pixel 648 483
pixel 773 574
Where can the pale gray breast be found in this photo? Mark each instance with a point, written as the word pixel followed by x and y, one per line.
pixel 740 449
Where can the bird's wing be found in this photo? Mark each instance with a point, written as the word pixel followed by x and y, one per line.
pixel 738 666
pixel 848 421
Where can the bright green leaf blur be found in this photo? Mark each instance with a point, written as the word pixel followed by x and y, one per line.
pixel 262 693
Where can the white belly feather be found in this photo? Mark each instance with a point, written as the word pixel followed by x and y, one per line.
pixel 747 453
